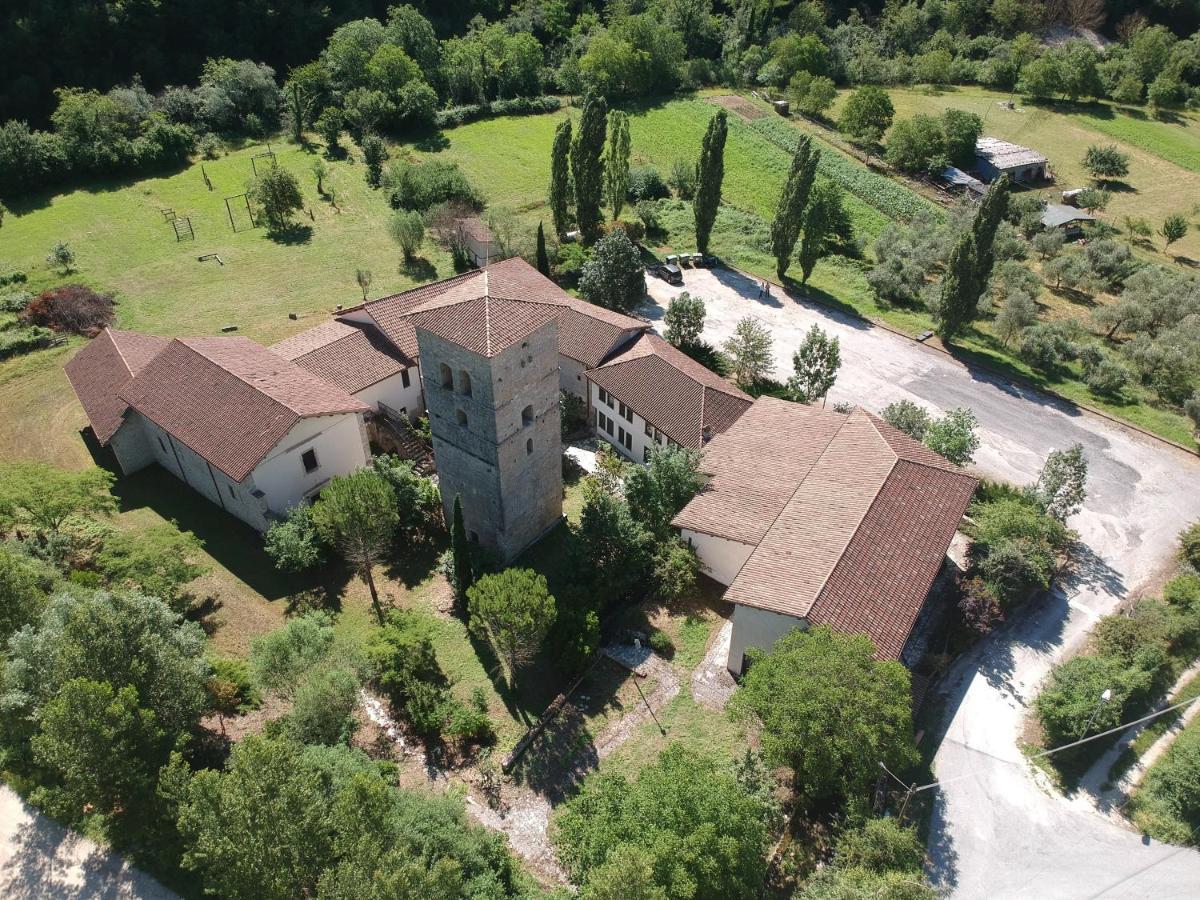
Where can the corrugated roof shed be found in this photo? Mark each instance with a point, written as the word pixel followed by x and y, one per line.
pixel 1005 155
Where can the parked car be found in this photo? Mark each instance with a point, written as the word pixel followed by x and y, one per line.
pixel 669 272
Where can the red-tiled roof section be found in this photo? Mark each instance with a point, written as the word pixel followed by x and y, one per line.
pixel 230 399
pixel 102 368
pixel 586 333
pixel 486 325
pixel 850 518
pixel 756 466
pixel 899 547
pixel 351 356
pixel 671 391
pixel 803 545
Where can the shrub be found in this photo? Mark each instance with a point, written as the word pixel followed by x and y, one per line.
pixel 1189 545
pixel 879 845
pixel 1016 547
pixel 293 543
pixel 1183 591
pixel 324 707
pixel 277 192
pixel 210 146
pixel 16 277
pixel 1167 806
pixel 660 642
pixel 73 308
pixel 1046 347
pixel 1073 699
pixel 646 183
pixel 979 606
pixel 16 341
pixel 421 186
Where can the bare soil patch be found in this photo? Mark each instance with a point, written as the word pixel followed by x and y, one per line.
pixel 739 105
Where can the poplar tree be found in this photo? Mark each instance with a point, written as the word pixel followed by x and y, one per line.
pixel 616 162
pixel 959 298
pixel 543 258
pixel 710 171
pixel 587 166
pixel 789 215
pixel 991 213
pixel 560 178
pixel 824 209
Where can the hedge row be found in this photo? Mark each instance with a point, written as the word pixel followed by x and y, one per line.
pixel 517 106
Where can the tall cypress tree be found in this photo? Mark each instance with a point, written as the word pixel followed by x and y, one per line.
pixel 560 178
pixel 464 575
pixel 587 165
pixel 988 217
pixel 616 162
pixel 789 215
pixel 710 171
pixel 959 298
pixel 824 207
pixel 543 258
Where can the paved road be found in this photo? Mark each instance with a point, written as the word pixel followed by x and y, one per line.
pixel 40 860
pixel 997 834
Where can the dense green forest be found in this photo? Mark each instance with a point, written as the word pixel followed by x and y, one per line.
pixel 91 89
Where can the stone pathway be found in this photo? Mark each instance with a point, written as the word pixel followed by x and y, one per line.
pixel 712 685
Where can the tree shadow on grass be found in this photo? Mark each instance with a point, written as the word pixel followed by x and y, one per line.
pixel 419 269
pixel 232 543
pixel 292 234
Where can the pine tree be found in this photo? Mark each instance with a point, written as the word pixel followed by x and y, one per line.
pixel 991 213
pixel 792 204
pixel 464 575
pixel 543 258
pixel 616 162
pixel 587 166
pixel 710 171
pixel 959 296
pixel 560 178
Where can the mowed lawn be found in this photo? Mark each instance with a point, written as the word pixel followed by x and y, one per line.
pixel 1164 166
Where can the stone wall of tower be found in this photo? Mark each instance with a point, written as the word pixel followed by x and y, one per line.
pixel 505 459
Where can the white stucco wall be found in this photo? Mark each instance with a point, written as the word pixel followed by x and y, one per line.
pixel 756 628
pixel 341 446
pixel 635 426
pixel 130 446
pixel 722 558
pixel 395 395
pixel 570 376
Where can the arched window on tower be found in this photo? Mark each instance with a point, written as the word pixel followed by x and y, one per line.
pixel 527 417
pixel 464 382
pixel 462 418
pixel 447 377
pixel 529 446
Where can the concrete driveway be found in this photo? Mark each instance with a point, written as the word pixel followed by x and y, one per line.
pixel 996 833
pixel 40 859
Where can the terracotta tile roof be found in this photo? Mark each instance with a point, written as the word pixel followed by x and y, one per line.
pixel 671 391
pixel 485 325
pixel 586 333
pixel 102 368
pixel 849 517
pixel 755 468
pixel 230 399
pixel 351 356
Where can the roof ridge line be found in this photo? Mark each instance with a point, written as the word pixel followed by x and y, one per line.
pixel 842 555
pixel 108 329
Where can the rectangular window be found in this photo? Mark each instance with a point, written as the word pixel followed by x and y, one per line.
pixel 607 423
pixel 626 439
pixel 404 380
pixel 604 397
pixel 309 459
pixel 649 430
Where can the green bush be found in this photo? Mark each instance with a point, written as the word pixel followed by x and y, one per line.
pixel 17 341
pixel 324 709
pixel 1016 546
pixel 1167 807
pixel 421 186
pixel 647 183
pixel 1183 591
pixel 1189 545
pixel 15 302
pixel 1073 699
pixel 660 642
pixel 879 845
